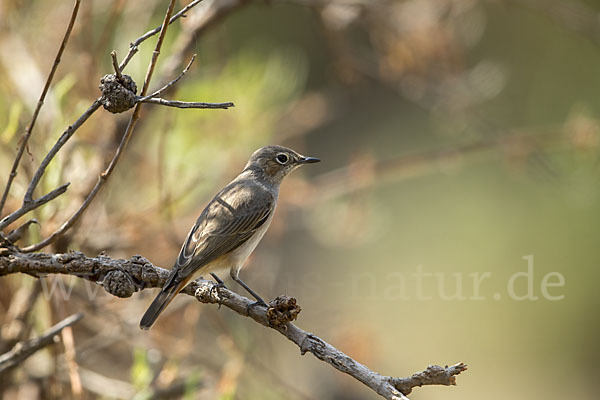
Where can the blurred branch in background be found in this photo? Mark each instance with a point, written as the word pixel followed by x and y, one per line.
pixel 23 350
pixel 572 14
pixel 122 278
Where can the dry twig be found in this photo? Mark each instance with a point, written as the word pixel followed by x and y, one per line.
pixel 185 104
pixel 126 136
pixel 27 135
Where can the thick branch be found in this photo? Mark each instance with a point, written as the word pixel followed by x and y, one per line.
pixel 124 277
pixel 23 350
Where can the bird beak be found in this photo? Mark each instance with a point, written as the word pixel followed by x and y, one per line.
pixel 308 160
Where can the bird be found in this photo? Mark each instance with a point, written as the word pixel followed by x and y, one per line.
pixel 230 226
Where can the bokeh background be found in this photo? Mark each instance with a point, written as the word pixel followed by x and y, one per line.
pixel 459 138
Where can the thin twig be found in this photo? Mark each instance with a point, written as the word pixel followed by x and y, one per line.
pixel 67 134
pixel 122 145
pixel 23 350
pixel 32 205
pixel 168 85
pixel 115 62
pixel 27 135
pixel 185 104
pixel 133 47
pixel 122 278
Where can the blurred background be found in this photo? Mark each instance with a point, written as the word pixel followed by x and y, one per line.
pixel 460 146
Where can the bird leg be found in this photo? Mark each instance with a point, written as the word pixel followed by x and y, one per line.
pixel 259 300
pixel 219 281
pixel 220 284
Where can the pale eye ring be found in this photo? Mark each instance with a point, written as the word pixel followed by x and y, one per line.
pixel 282 158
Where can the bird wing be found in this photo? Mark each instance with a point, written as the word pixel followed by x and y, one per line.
pixel 227 222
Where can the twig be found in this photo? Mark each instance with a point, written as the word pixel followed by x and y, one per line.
pixel 122 145
pixel 122 278
pixel 71 130
pixel 168 85
pixel 67 134
pixel 16 234
pixel 23 350
pixel 185 104
pixel 32 205
pixel 27 135
pixel 113 56
pixel 133 47
pixel 153 99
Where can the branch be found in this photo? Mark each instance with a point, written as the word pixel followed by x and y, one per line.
pixel 122 145
pixel 67 134
pixel 23 350
pixel 185 104
pixel 27 135
pixel 153 99
pixel 113 56
pixel 133 47
pixel 168 85
pixel 32 205
pixel 122 278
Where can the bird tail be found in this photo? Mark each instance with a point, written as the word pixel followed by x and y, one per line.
pixel 166 295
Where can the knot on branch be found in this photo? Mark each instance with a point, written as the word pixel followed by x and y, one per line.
pixel 282 309
pixel 208 292
pixel 118 95
pixel 118 283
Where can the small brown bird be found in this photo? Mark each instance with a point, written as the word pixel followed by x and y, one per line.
pixel 231 225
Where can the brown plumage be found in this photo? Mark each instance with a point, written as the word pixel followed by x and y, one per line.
pixel 231 225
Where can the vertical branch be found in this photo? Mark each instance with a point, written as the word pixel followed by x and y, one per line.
pixel 27 135
pixel 122 146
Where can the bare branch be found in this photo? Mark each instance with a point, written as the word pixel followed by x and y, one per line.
pixel 23 350
pixel 168 85
pixel 32 205
pixel 122 145
pixel 133 47
pixel 16 234
pixel 15 325
pixel 153 99
pixel 122 278
pixel 67 134
pixel 27 135
pixel 113 56
pixel 185 104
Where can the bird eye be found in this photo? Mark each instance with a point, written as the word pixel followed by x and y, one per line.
pixel 282 158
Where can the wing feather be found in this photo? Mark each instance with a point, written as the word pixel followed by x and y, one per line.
pixel 227 222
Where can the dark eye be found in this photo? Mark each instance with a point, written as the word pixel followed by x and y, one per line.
pixel 282 158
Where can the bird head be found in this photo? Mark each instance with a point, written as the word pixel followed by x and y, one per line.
pixel 275 162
